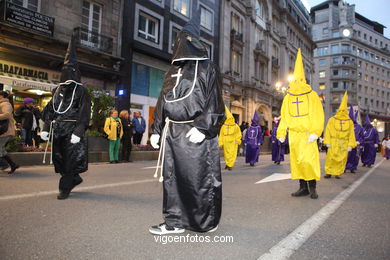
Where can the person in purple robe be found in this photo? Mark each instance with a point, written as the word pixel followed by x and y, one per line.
pixel 253 140
pixel 353 155
pixel 278 148
pixel 370 143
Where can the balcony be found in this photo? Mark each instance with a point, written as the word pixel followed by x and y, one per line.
pixel 349 64
pixel 94 40
pixel 344 76
pixel 26 19
pixel 236 36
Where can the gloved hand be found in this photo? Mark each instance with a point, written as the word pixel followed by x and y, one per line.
pixel 357 143
pixel 154 139
pixel 328 145
pixel 282 139
pixel 376 145
pixel 349 148
pixel 74 139
pixel 273 142
pixel 45 136
pixel 312 138
pixel 195 135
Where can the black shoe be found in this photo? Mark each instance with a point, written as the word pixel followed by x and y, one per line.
pixel 369 166
pixel 63 195
pixel 112 161
pixel 278 163
pixel 11 163
pixel 226 167
pixel 337 177
pixel 116 161
pixel 13 169
pixel 303 189
pixel 353 171
pixel 78 182
pixel 313 190
pixel 229 168
pixel 364 165
pixel 252 164
pixel 327 176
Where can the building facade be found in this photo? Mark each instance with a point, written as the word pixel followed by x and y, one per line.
pixel 352 54
pixel 259 42
pixel 149 32
pixel 34 38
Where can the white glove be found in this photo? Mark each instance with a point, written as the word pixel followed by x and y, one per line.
pixel 312 138
pixel 154 139
pixel 282 139
pixel 45 136
pixel 349 148
pixel 74 139
pixel 328 145
pixel 357 143
pixel 195 135
pixel 376 145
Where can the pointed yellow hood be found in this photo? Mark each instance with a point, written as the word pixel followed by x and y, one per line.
pixel 342 113
pixel 298 84
pixel 229 117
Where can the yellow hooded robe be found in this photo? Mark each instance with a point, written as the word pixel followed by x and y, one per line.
pixel 302 114
pixel 339 134
pixel 230 138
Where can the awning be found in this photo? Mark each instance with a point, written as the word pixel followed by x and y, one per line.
pixel 26 82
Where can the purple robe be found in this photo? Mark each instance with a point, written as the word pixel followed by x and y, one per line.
pixel 253 140
pixel 278 148
pixel 371 137
pixel 353 156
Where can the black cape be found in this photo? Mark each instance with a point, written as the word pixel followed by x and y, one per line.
pixel 192 197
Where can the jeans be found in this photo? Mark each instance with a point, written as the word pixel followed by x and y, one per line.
pixel 27 136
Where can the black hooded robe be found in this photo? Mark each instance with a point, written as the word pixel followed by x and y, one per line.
pixel 192 197
pixel 67 113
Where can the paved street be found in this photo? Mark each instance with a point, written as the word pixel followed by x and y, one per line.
pixel 108 216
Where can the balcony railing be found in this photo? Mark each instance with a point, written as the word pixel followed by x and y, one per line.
pixel 94 40
pixel 345 63
pixel 344 76
pixel 236 36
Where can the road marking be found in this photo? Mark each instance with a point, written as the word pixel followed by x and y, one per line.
pixel 275 177
pixel 45 193
pixel 286 247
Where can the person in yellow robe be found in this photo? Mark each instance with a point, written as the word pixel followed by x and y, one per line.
pixel 230 138
pixel 340 139
pixel 303 116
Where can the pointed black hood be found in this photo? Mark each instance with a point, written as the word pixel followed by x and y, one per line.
pixel 70 69
pixel 188 45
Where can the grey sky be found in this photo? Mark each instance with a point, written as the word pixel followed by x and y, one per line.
pixel 376 10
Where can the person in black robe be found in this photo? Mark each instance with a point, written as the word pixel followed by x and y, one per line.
pixel 66 119
pixel 187 119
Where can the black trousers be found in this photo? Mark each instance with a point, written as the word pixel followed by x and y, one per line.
pixel 126 148
pixel 68 181
pixel 137 138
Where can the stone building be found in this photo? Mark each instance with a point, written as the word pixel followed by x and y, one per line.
pixel 259 42
pixel 352 54
pixel 34 38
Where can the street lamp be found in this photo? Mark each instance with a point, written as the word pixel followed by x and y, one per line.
pixel 290 77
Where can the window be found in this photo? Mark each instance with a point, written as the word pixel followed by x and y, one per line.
pixel 182 6
pixel 335 34
pixel 209 48
pixel 174 33
pixel 259 12
pixel 33 5
pixel 321 51
pixel 334 49
pixel 236 62
pixel 322 62
pixel 335 84
pixel 345 48
pixel 335 72
pixel 325 30
pixel 336 60
pixel 322 74
pixel 206 19
pixel 236 23
pixel 91 23
pixel 148 27
pixel 322 86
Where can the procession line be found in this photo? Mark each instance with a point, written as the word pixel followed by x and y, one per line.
pixel 286 247
pixel 45 193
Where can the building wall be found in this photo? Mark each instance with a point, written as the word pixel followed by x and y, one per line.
pixel 149 61
pixel 364 54
pixel 267 53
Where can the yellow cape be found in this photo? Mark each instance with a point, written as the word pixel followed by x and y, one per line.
pixel 230 138
pixel 302 114
pixel 339 134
